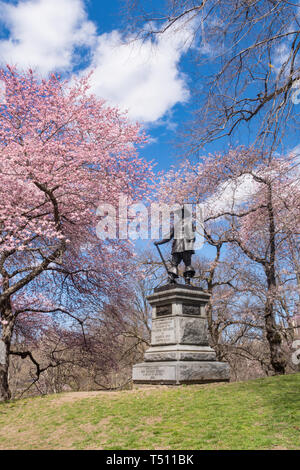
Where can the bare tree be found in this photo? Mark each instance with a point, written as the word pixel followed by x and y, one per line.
pixel 247 55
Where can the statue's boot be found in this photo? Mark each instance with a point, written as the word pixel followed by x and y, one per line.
pixel 188 274
pixel 173 274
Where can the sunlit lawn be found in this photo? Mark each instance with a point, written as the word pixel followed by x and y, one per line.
pixel 260 414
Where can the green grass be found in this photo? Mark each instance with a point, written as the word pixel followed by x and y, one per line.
pixel 260 414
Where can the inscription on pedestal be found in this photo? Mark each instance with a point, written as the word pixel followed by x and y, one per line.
pixel 163 331
pixel 154 373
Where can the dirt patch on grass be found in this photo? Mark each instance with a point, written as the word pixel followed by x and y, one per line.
pixel 99 427
pixel 30 439
pixel 74 396
pixel 146 390
pixel 153 420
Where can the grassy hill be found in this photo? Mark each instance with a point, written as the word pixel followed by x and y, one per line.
pixel 260 414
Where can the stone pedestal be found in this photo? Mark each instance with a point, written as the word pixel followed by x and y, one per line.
pixel 180 351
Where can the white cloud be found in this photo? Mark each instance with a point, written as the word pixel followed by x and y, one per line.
pixel 44 33
pixel 142 77
pixel 281 56
pixel 296 150
pixel 231 195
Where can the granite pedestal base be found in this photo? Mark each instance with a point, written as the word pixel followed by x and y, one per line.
pixel 180 351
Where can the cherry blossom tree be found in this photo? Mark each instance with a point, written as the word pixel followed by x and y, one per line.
pixel 63 152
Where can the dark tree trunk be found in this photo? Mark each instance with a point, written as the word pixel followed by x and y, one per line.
pixel 212 326
pixel 278 361
pixel 213 332
pixel 7 325
pixel 277 358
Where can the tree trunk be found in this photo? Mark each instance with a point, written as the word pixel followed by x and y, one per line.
pixel 7 325
pixel 212 326
pixel 278 361
pixel 213 332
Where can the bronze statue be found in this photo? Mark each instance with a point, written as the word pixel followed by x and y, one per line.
pixel 182 250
